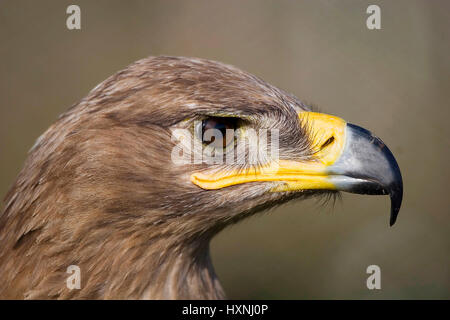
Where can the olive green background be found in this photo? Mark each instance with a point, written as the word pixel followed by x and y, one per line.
pixel 394 81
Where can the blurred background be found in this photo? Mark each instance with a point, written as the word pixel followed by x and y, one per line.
pixel 394 81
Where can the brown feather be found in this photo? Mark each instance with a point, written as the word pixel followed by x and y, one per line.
pixel 98 189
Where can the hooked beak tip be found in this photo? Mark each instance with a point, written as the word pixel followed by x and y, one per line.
pixel 371 167
pixel 396 195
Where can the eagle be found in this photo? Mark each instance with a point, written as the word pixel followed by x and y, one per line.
pixel 115 188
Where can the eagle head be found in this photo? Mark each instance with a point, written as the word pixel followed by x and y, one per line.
pixel 131 183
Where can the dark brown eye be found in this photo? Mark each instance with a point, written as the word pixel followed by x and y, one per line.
pixel 329 141
pixel 218 132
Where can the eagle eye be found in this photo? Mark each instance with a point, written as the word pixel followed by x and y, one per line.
pixel 217 132
pixel 329 141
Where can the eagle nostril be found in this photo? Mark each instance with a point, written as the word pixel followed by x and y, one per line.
pixel 329 141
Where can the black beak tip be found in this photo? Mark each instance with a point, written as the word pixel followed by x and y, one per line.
pixel 396 195
pixel 393 218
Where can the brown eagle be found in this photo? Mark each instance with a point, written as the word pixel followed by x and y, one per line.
pixel 101 189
